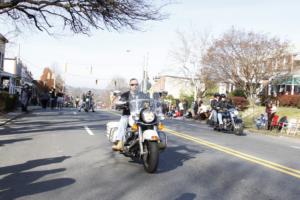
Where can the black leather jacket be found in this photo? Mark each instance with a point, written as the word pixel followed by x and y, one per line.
pixel 125 97
pixel 214 104
pixel 222 106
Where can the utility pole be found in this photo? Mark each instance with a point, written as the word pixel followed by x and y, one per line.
pixel 19 51
pixel 54 79
pixel 64 78
pixel 292 67
pixel 145 73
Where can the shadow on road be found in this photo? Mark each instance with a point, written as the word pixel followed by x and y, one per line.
pixel 187 196
pixel 45 121
pixel 19 183
pixel 175 156
pixel 44 126
pixel 4 142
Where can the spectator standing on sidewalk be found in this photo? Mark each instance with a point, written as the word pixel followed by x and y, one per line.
pixel 60 100
pixel 77 100
pixel 181 108
pixel 269 113
pixel 44 99
pixel 194 108
pixel 185 106
pixel 52 98
pixel 25 97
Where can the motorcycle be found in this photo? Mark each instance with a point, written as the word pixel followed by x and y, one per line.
pixel 144 139
pixel 231 121
pixel 88 104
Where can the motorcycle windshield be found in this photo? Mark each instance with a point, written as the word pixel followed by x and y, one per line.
pixel 143 101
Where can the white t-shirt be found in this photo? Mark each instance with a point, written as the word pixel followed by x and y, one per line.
pixel 180 105
pixel 273 109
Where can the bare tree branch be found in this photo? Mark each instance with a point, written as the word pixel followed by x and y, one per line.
pixel 81 15
pixel 187 57
pixel 245 58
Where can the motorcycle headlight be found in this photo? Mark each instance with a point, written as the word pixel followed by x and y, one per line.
pixel 236 112
pixel 148 116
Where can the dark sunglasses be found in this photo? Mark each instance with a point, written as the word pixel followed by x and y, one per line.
pixel 134 84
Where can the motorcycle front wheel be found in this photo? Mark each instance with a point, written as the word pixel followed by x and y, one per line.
pixel 151 157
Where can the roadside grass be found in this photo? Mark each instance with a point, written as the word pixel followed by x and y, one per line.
pixel 252 113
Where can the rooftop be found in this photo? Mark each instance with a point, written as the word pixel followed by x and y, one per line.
pixel 3 38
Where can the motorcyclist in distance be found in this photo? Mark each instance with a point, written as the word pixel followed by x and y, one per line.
pixel 82 102
pixel 222 107
pixel 119 138
pixel 90 96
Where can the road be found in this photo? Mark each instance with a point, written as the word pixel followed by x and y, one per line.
pixel 65 155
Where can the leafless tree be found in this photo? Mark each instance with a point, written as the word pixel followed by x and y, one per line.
pixel 117 83
pixel 188 56
pixel 80 15
pixel 244 58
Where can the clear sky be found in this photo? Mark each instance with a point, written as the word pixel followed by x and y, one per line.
pixel 123 53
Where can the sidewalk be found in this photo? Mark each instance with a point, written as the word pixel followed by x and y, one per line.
pixel 7 117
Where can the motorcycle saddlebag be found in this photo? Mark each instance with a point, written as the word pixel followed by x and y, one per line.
pixel 111 125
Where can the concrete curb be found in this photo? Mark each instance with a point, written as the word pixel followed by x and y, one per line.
pixel 8 117
pixel 285 137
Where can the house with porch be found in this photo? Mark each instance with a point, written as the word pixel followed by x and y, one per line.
pixel 173 85
pixel 285 82
pixel 16 74
pixel 289 81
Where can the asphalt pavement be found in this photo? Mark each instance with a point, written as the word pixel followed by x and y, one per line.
pixel 66 155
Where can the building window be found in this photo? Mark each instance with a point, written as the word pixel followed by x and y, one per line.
pixel 1 61
pixel 297 89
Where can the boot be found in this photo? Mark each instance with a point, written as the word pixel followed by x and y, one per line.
pixel 221 127
pixel 119 146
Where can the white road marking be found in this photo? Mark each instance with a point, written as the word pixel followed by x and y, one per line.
pixel 88 130
pixel 75 113
pixel 295 147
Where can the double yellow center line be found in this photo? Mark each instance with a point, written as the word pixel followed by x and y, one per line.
pixel 265 163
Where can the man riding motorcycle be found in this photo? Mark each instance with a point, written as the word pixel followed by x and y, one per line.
pixel 222 106
pixel 90 95
pixel 119 138
pixel 87 105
